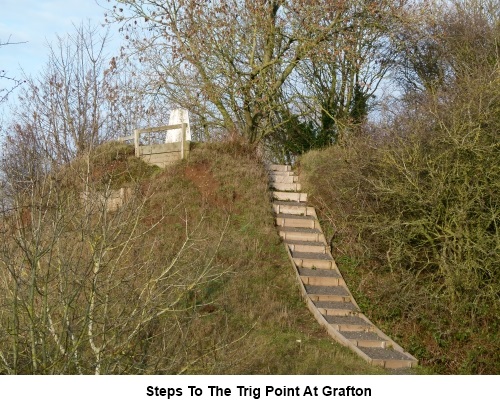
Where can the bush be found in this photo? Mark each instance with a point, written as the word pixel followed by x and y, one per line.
pixel 419 209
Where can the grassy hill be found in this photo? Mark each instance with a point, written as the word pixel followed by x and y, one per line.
pixel 188 276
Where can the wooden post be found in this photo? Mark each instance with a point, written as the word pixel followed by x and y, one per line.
pixel 136 142
pixel 182 142
pixel 184 152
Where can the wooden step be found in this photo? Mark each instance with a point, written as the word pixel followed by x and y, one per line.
pixel 343 304
pixel 316 256
pixel 293 208
pixel 307 247
pixel 320 277
pixel 337 312
pixel 283 177
pixel 389 357
pixel 305 271
pixel 279 168
pixel 327 293
pixel 297 221
pixel 289 196
pixel 285 186
pixel 303 234
pixel 366 339
pixel 349 323
pixel 314 260
pixel 325 281
pixel 338 308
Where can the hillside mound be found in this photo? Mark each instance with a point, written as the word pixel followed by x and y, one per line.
pixel 186 274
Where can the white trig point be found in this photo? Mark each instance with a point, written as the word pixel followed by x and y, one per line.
pixel 178 116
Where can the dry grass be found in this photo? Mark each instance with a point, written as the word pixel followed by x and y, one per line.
pixel 413 209
pixel 203 287
pixel 413 224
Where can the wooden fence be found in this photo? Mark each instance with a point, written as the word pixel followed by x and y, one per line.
pixel 161 154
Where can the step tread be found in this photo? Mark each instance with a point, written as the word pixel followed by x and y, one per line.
pixel 281 183
pixel 362 336
pixel 274 166
pixel 280 172
pixel 285 187
pixel 304 271
pixel 304 242
pixel 290 197
pixel 384 354
pixel 346 320
pixel 327 290
pixel 308 255
pixel 284 178
pixel 293 216
pixel 295 229
pixel 336 305
pixel 291 203
pixel 288 192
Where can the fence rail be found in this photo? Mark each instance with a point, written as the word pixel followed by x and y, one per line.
pixel 153 153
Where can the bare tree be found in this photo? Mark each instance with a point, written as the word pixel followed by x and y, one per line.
pixel 424 42
pixel 229 60
pixel 69 106
pixel 9 83
pixel 339 82
pixel 89 291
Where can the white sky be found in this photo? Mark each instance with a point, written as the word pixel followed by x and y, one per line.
pixel 38 22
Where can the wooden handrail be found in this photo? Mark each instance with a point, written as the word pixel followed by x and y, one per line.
pixel 159 129
pixel 138 132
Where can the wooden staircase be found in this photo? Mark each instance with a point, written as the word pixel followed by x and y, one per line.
pixel 320 280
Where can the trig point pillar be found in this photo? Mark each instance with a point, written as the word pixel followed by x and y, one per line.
pixel 178 116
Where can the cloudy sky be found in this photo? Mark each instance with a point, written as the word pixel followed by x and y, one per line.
pixel 37 22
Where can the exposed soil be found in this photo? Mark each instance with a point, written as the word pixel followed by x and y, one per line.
pixel 204 180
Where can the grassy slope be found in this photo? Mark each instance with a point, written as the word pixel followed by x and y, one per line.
pixel 249 318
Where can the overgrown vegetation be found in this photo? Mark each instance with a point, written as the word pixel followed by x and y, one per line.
pixel 188 276
pixel 413 210
pixel 253 66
